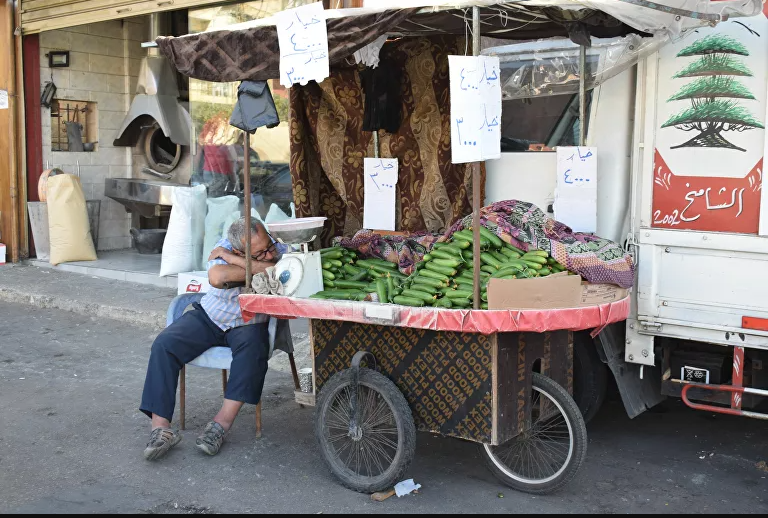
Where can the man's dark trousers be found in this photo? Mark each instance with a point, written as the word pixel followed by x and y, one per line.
pixel 189 337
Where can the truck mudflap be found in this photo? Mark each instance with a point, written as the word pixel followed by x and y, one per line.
pixel 735 392
pixel 638 384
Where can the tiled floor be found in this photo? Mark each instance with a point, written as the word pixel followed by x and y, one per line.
pixel 121 265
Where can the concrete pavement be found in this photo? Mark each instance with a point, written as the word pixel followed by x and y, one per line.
pixel 71 441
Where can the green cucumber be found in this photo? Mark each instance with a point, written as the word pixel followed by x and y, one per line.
pixel 423 287
pixel 444 303
pixel 382 262
pixel 427 257
pixel 328 276
pixel 461 303
pixel 434 275
pixel 536 251
pixel 508 270
pixel 332 254
pixel 484 305
pixel 544 272
pixel 490 260
pixel 426 281
pixel 329 284
pixel 460 294
pixel 534 265
pixel 336 263
pixel 351 285
pixel 535 259
pixel 511 254
pixel 495 241
pixel 381 291
pixel 513 248
pixel 407 301
pixel 498 255
pixel 351 270
pixel 327 265
pixel 468 235
pixel 446 254
pixel 449 263
pixel 489 269
pixel 462 244
pixel 390 289
pixel 445 270
pixel 419 295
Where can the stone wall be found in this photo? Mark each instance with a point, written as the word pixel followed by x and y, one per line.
pixel 104 66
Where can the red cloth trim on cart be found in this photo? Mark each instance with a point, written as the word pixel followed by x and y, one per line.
pixel 435 319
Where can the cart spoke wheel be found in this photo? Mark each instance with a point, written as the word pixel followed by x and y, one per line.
pixel 550 447
pixel 371 450
pixel 375 454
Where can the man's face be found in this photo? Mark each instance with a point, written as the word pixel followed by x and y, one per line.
pixel 262 248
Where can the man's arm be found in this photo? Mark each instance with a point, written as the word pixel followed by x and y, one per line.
pixel 234 271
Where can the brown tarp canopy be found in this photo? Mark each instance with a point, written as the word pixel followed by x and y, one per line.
pixel 253 54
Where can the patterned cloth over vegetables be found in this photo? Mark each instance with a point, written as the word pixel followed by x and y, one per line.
pixel 525 226
pixel 405 251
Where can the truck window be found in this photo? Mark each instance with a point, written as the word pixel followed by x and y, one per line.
pixel 541 123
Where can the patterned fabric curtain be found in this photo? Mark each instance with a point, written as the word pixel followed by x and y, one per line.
pixel 328 144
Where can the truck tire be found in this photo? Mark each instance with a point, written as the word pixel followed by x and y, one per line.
pixel 590 376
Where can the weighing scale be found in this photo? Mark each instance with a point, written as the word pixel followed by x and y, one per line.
pixel 300 273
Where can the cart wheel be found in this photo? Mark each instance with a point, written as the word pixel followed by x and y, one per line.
pixel 378 455
pixel 551 448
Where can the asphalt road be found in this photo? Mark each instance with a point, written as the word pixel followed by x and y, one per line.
pixel 71 439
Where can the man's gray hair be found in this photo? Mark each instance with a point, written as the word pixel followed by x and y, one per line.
pixel 237 234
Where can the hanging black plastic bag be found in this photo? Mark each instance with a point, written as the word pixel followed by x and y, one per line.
pixel 254 108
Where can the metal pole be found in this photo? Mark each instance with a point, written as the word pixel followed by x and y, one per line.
pixel 376 144
pixel 476 186
pixel 247 189
pixel 582 95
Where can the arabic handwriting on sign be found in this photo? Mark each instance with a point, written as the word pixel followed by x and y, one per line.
pixel 465 77
pixel 488 78
pixel 462 142
pixel 373 178
pixel 583 157
pixel 571 159
pixel 311 22
pixel 490 125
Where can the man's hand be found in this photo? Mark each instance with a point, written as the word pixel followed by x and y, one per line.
pixel 220 253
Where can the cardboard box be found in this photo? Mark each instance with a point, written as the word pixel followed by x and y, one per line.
pixel 193 282
pixel 2 253
pixel 552 292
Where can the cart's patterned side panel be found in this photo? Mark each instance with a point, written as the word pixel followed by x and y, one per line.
pixel 445 377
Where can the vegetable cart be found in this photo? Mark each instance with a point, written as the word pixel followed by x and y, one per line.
pixel 497 378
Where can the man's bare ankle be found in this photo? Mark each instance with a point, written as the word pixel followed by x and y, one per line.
pixel 159 422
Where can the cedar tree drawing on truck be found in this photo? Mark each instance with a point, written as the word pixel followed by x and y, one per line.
pixel 715 94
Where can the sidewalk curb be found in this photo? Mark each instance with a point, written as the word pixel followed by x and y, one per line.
pixel 151 319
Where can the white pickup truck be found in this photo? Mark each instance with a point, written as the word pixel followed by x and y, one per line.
pixel 681 139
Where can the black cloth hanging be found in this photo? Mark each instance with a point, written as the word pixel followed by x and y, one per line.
pixel 381 86
pixel 254 108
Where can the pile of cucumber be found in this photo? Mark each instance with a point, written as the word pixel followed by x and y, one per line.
pixel 445 278
pixel 347 277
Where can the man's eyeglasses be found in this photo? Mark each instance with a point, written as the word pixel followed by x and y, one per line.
pixel 260 256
